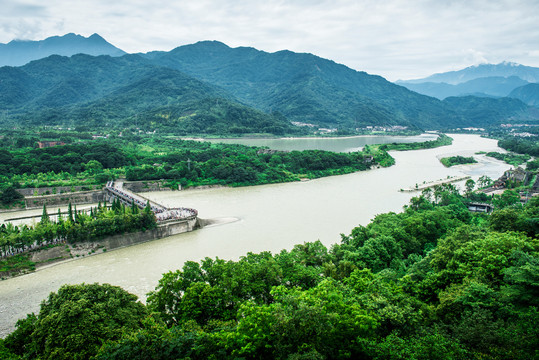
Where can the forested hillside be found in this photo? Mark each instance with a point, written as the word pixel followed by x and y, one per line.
pixel 432 282
pixel 307 88
pixel 210 88
pixel 484 111
pixel 124 92
pixel 494 86
pixel 527 93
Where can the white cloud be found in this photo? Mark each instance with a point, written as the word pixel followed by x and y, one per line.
pixel 393 38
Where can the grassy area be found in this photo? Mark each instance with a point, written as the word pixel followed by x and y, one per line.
pixel 16 264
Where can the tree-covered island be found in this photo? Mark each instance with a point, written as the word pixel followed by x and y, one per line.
pixel 92 162
pixel 457 160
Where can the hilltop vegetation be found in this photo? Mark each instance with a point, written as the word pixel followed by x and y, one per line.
pixel 307 88
pixel 432 282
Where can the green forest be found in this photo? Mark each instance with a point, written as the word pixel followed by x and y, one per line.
pixel 210 88
pixel 520 145
pixel 181 162
pixel 432 282
pixel 510 158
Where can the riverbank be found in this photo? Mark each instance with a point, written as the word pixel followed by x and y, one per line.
pixel 200 169
pixel 431 184
pixel 53 255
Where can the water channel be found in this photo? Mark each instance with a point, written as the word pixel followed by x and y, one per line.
pixel 269 217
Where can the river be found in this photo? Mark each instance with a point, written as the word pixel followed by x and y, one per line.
pixel 269 217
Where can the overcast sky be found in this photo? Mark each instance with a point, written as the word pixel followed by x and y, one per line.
pixel 397 39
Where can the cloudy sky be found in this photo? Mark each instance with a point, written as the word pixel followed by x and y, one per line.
pixel 398 39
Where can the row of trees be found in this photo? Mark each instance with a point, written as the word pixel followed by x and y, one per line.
pixel 76 226
pixel 432 282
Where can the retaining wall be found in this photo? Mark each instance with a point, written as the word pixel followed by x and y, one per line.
pixel 55 190
pixel 82 197
pixel 60 253
pixel 163 230
pixel 145 186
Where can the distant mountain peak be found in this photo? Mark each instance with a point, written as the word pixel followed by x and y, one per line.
pixel 96 37
pixel 504 69
pixel 20 52
pixel 509 63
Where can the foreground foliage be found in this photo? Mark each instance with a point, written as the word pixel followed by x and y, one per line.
pixel 75 322
pixel 432 282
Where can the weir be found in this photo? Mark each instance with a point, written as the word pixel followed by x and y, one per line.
pixel 115 189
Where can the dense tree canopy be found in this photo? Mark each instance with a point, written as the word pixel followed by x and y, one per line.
pixel 75 322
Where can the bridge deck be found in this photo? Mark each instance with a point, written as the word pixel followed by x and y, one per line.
pixel 162 213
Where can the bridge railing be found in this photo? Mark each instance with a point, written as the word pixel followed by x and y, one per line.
pixel 162 213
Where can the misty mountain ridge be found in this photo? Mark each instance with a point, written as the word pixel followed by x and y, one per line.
pixel 20 52
pixel 528 94
pixel 491 86
pixel 503 69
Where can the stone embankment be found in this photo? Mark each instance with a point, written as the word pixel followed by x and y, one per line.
pixel 66 252
pixel 75 198
pixel 170 221
pixel 145 186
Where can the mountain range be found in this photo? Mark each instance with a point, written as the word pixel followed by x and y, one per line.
pixel 20 52
pixel 504 69
pixel 485 80
pixel 209 87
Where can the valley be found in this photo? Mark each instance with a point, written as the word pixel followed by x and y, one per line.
pixel 336 214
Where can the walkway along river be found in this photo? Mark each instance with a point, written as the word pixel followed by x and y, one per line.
pixel 271 217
